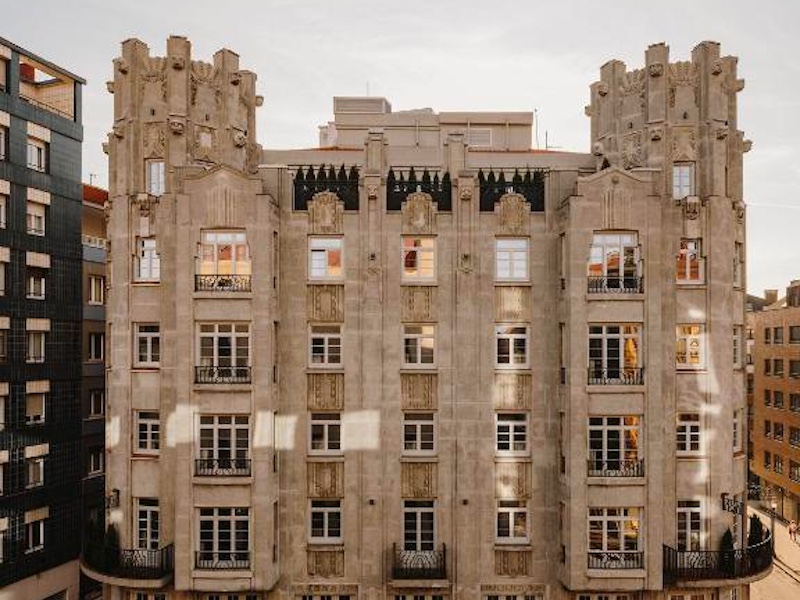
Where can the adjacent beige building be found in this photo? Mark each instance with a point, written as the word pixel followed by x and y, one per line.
pixel 425 360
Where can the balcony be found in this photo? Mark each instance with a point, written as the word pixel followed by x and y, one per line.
pixel 419 564
pixel 616 468
pixel 616 376
pixel 222 283
pixel 708 565
pixel 217 561
pixel 615 285
pixel 222 374
pixel 108 564
pixel 222 467
pixel 622 559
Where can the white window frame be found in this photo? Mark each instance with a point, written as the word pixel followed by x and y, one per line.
pixel 237 334
pixel 35 408
pixel 507 526
pixel 683 180
pixel 34 536
pixel 325 433
pixel 512 430
pixel 419 346
pixel 419 525
pixel 36 283
pixel 419 433
pixel 148 523
pixel 325 346
pixel 418 259
pixel 223 437
pixel 215 244
pixel 156 177
pixel 97 346
pixel 614 257
pixel 325 523
pixel 325 258
pixel 3 204
pixel 148 432
pixel 35 218
pixel 3 141
pixel 37 154
pixel 148 260
pixel 511 259
pixel 689 523
pixel 97 403
pixel 212 537
pixel 34 472
pixel 36 343
pixel 690 264
pixel 146 345
pixel 508 352
pixel 96 461
pixel 689 436
pixel 738 346
pixel 615 352
pixel 97 290
pixel 614 442
pixel 690 346
pixel 623 522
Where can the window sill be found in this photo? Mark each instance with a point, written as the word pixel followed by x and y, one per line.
pixel 680 456
pixel 513 545
pixel 222 295
pixel 144 455
pixel 317 458
pixel 325 546
pixel 512 458
pixel 512 282
pixel 325 281
pixel 608 296
pixel 325 369
pixel 146 282
pixel 616 573
pixel 511 368
pixel 614 481
pixel 421 282
pixel 419 458
pixel 417 368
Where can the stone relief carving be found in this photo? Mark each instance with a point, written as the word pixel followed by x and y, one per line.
pixel 236 78
pixel 326 213
pixel 419 391
pixel 513 479
pixel 739 209
pixel 616 207
pixel 325 479
pixel 682 74
pixel 633 83
pixel 239 139
pixel 656 69
pixel 465 193
pixel 325 391
pixel 325 303
pixel 201 74
pixel 716 67
pixel 513 213
pixel 204 144
pixel 691 208
pixel 178 62
pixel 512 303
pixel 602 88
pixel 155 140
pixel 419 303
pixel 512 391
pixel 154 74
pixel 683 144
pixel 721 133
pixel 326 563
pixel 656 134
pixel 122 65
pixel 418 213
pixel 419 480
pixel 145 204
pixel 632 150
pixel 252 157
pixel 372 192
pixel 177 125
pixel 110 87
pixel 119 130
pixel 512 563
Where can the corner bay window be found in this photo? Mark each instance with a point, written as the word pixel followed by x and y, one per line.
pixel 224 538
pixel 615 355
pixel 224 445
pixel 224 352
pixel 614 535
pixel 614 446
pixel 689 351
pixel 419 259
pixel 614 263
pixel 224 262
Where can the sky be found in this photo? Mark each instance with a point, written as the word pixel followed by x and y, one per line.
pixel 453 55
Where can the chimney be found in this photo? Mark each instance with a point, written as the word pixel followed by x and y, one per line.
pixel 793 293
pixel 771 296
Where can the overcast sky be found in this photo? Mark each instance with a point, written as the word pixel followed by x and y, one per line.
pixel 454 55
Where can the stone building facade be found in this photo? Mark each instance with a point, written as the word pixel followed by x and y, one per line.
pixel 424 359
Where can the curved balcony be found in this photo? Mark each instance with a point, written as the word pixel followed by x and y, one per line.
pixel 135 567
pixel 685 566
pixel 419 564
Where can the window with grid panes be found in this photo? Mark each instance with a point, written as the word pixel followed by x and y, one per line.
pixel 419 344
pixel 511 433
pixel 325 346
pixel 689 520
pixel 35 218
pixel 511 346
pixel 614 261
pixel 614 353
pixel 613 444
pixel 419 259
pixel 614 535
pixel 689 265
pixel 34 536
pixel 37 154
pixel 224 538
pixel 326 433
pixel 148 260
pixel 511 259
pixel 418 433
pixel 148 523
pixel 36 345
pixel 689 347
pixel 326 522
pixel 777 463
pixel 688 434
pixel 224 253
pixel 97 289
pixel 512 522
pixel 682 180
pixel 156 180
pixel 225 347
pixel 418 525
pixel 325 258
pixel 224 442
pixel 36 283
pixel 148 432
pixel 148 344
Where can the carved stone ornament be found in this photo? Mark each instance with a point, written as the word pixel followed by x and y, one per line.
pixel 202 74
pixel 633 83
pixel 419 391
pixel 722 133
pixel 372 192
pixel 178 63
pixel 317 589
pixel 419 303
pixel 632 150
pixel 513 479
pixel 716 67
pixel 326 213
pixel 747 145
pixel 419 480
pixel 683 144
pixel 691 208
pixel 739 209
pixel 145 204
pixel 177 126
pixel 154 72
pixel 110 87
pixel 325 479
pixel 204 144
pixel 602 88
pixel 656 134
pixel 325 303
pixel 656 69
pixel 119 131
pixel 325 391
pixel 239 139
pixel 326 563
pixel 236 78
pixel 155 141
pixel 259 101
pixel 418 213
pixel 512 589
pixel 682 74
pixel 597 149
pixel 511 391
pixel 512 303
pixel 465 193
pixel 122 65
pixel 105 148
pixel 512 563
pixel 513 214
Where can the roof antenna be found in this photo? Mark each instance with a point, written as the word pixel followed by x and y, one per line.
pixel 536 125
pixel 367 88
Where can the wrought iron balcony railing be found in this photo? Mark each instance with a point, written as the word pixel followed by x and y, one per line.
pixel 134 563
pixel 616 376
pixel 222 467
pixel 402 181
pixel 222 283
pixel 531 185
pixel 343 183
pixel 615 285
pixel 222 560
pixel 706 565
pixel 222 374
pixel 419 564
pixel 616 468
pixel 622 559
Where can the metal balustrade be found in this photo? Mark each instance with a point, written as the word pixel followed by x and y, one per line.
pixel 419 564
pixel 615 285
pixel 616 468
pixel 222 467
pixel 222 560
pixel 222 283
pixel 133 563
pixel 621 559
pixel 706 565
pixel 616 376
pixel 222 374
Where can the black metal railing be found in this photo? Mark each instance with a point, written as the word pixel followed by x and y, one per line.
pixel 135 563
pixel 530 185
pixel 222 283
pixel 222 374
pixel 419 564
pixel 222 467
pixel 222 560
pixel 622 559
pixel 705 565
pixel 308 182
pixel 615 285
pixel 616 376
pixel 401 181
pixel 616 468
